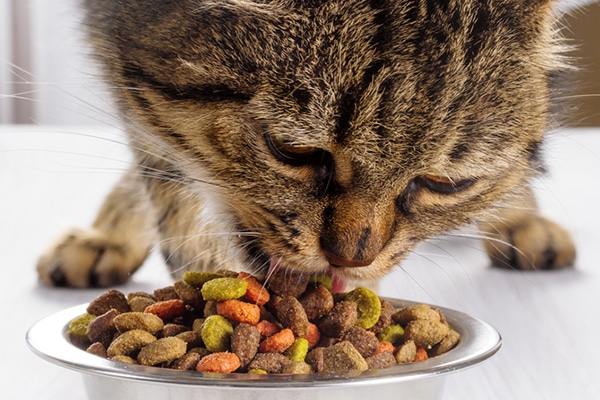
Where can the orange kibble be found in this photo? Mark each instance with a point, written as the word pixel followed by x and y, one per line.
pixel 313 336
pixel 385 346
pixel 239 311
pixel 223 362
pixel 421 355
pixel 167 309
pixel 278 342
pixel 256 292
pixel 267 328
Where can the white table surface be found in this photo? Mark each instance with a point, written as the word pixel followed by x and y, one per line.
pixel 51 179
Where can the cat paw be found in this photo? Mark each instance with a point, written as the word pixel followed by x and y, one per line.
pixel 85 259
pixel 530 242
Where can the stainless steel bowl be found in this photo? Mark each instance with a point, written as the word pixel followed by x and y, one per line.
pixel 105 379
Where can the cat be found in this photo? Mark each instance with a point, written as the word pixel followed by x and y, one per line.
pixel 320 136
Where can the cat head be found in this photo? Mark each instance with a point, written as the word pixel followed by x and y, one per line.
pixel 336 134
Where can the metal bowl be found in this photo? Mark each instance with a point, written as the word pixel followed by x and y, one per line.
pixel 108 379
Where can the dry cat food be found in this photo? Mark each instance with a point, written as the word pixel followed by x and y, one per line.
pixel 231 322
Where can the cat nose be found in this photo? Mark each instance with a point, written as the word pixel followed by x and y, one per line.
pixel 355 231
pixel 337 261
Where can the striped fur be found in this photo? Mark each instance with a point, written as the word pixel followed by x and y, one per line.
pixel 324 135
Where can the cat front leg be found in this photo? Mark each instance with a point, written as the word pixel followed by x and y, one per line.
pixel 519 237
pixel 111 250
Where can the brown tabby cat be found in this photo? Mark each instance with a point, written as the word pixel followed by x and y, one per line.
pixel 320 136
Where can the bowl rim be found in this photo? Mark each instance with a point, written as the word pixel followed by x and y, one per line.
pixel 479 341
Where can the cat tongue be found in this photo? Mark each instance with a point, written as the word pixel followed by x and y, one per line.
pixel 337 284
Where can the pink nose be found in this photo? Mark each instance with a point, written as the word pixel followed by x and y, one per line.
pixel 337 261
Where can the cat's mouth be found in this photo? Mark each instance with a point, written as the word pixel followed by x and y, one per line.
pixel 340 276
pixel 338 283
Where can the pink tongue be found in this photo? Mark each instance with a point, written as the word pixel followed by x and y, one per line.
pixel 338 284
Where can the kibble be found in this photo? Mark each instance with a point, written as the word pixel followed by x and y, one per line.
pixel 244 342
pixel 138 320
pixel 368 306
pixel 228 322
pixel 162 351
pixel 224 363
pixel 221 289
pixel 130 343
pixel 216 333
pixel 102 329
pixel 291 314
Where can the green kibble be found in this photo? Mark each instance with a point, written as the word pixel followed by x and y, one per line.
pixel 392 334
pixel 258 372
pixel 298 350
pixel 216 333
pixel 78 326
pixel 368 306
pixel 199 278
pixel 221 289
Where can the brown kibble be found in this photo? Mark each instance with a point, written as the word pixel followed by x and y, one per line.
pixel 317 301
pixel 272 363
pixel 419 311
pixel 447 344
pixel 381 360
pixel 341 357
pixel 139 303
pixel 291 314
pixel 189 294
pixel 97 349
pixel 316 358
pixel 364 341
pixel 203 351
pixel 406 353
pixel 210 308
pixel 287 283
pixel 244 343
pixel 166 293
pixel 162 350
pixel 138 320
pixel 132 295
pixel 124 359
pixel 107 301
pixel 193 339
pixel 385 319
pixel 198 324
pixel 172 329
pixel 342 317
pixel 425 332
pixel 102 328
pixel 129 343
pixel 187 362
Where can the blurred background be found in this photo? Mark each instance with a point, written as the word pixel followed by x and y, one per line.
pixel 47 77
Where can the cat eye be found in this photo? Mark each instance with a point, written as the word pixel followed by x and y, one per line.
pixel 444 185
pixel 289 153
